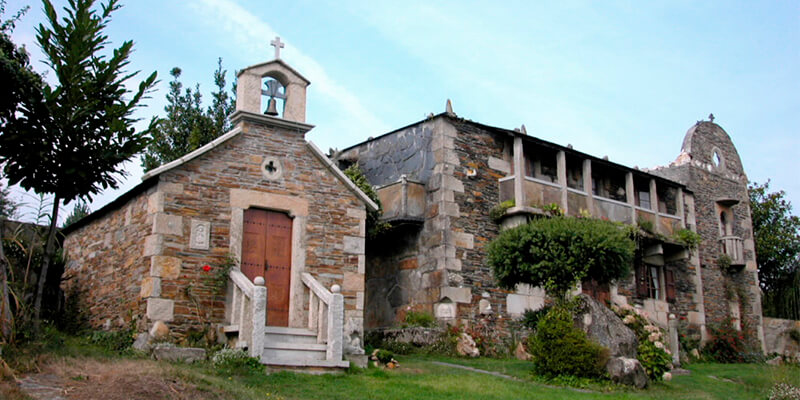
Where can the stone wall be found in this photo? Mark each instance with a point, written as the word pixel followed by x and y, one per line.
pixel 104 265
pixel 472 227
pixel 717 184
pixel 777 337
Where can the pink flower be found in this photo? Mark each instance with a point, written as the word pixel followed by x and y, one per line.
pixel 206 268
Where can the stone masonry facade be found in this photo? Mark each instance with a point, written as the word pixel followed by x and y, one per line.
pixel 437 264
pixel 710 166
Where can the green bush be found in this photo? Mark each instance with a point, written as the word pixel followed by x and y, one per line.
pixel 375 227
pixel 727 344
pixel 235 362
pixel 559 348
pixel 398 347
pixel 419 318
pixel 115 341
pixel 531 317
pixel 384 356
pixel 654 359
pixel 687 238
pixel 557 253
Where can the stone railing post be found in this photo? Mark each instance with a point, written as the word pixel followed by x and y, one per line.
pixel 674 345
pixel 259 315
pixel 335 325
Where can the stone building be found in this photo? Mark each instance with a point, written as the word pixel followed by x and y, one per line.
pixel 292 224
pixel 438 179
pixel 303 284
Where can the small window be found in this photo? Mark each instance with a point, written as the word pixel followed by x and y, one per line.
pixel 649 280
pixel 716 159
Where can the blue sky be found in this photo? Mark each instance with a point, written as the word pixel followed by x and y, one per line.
pixel 623 79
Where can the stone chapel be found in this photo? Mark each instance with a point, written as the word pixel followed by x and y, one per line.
pixel 260 199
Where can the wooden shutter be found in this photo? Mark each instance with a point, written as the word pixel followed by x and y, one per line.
pixel 641 281
pixel 669 282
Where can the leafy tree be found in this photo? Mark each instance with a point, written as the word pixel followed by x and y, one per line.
pixel 187 126
pixel 558 252
pixel 76 148
pixel 777 238
pixel 80 210
pixel 7 206
pixel 22 87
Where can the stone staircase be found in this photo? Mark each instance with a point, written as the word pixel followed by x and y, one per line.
pixel 315 349
pixel 296 348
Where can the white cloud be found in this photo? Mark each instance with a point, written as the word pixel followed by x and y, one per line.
pixel 244 29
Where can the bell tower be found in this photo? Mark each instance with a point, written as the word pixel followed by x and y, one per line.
pixel 272 88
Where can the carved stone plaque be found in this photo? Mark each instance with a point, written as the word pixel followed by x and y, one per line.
pixel 201 232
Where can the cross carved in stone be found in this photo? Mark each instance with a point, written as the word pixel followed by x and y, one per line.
pixel 278 45
pixel 270 167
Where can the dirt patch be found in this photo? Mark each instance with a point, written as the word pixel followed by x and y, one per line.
pixel 119 380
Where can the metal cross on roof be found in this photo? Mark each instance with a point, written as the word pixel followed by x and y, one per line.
pixel 278 45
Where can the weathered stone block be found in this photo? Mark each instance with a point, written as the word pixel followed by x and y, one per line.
pixel 167 224
pixel 160 309
pixel 499 165
pixel 463 240
pixel 155 203
pixel 183 354
pixel 353 245
pixel 516 304
pixel 153 244
pixel 165 267
pixel 151 287
pixel 457 295
pixel 353 282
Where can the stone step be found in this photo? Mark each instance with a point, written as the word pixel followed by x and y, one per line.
pixel 294 363
pixel 282 330
pixel 294 351
pixel 289 335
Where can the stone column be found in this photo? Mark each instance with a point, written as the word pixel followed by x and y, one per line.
pixel 587 184
pixel 681 212
pixel 335 325
pixel 561 172
pixel 259 317
pixel 654 204
pixel 519 172
pixel 630 193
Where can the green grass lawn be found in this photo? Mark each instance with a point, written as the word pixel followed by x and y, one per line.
pixel 418 377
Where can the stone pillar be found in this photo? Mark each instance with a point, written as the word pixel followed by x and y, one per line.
pixel 674 345
pixel 259 317
pixel 335 325
pixel 630 194
pixel 561 172
pixel 587 184
pixel 654 204
pixel 681 212
pixel 519 172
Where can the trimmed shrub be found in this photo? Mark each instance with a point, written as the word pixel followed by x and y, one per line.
pixel 559 348
pixel 558 252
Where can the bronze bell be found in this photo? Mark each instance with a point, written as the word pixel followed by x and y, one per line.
pixel 272 108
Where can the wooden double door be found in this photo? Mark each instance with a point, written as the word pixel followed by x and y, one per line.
pixel 267 252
